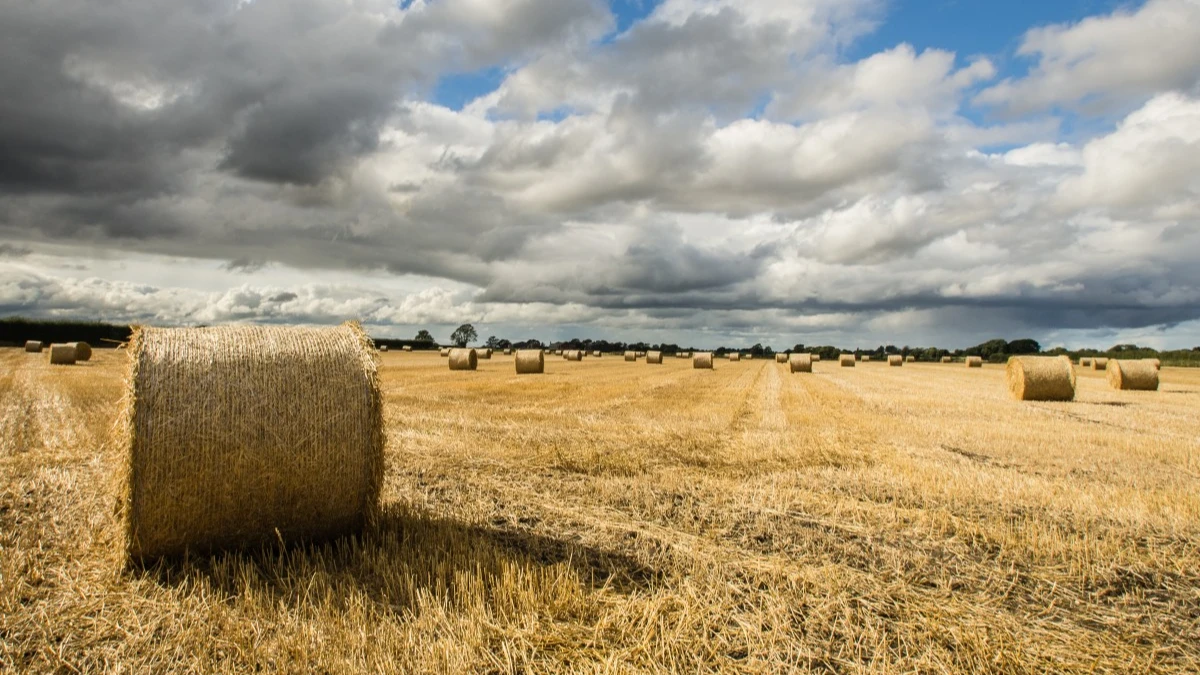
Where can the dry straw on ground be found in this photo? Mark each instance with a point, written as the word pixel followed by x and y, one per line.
pixel 1139 375
pixel 653 357
pixel 895 360
pixel 1099 363
pixel 83 351
pixel 631 356
pixel 1041 378
pixel 974 361
pixel 530 361
pixel 242 436
pixel 734 356
pixel 800 363
pixel 463 359
pixel 702 360
pixel 846 360
pixel 33 346
pixel 63 355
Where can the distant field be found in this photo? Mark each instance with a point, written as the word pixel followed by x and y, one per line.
pixel 615 517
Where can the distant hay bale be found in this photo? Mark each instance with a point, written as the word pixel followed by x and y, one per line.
pixel 63 355
pixel 243 436
pixel 1041 378
pixel 508 352
pixel 734 356
pixel 974 361
pixel 1135 375
pixel 530 361
pixel 653 357
pixel 641 354
pixel 866 359
pixel 444 352
pixel 483 353
pixel 846 360
pixel 558 352
pixel 631 356
pixel 1099 363
pixel 703 360
pixel 910 359
pixel 781 358
pixel 947 359
pixel 1085 362
pixel 596 353
pixel 748 357
pixel 573 355
pixel 383 348
pixel 83 351
pixel 33 346
pixel 800 363
pixel 895 360
pixel 815 357
pixel 408 348
pixel 463 359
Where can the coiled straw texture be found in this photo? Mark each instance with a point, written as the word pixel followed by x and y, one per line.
pixel 1041 378
pixel 1141 375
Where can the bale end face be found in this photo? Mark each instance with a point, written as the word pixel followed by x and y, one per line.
pixel 1133 375
pixel 800 363
pixel 83 351
pixel 530 361
pixel 703 360
pixel 1041 378
pixel 244 436
pixel 463 359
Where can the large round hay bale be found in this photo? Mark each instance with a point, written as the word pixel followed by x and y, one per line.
pixel 947 359
pixel 910 359
pixel 1041 378
pixel 483 353
pixel 530 361
pixel 1140 375
pixel 895 360
pixel 974 361
pixel 62 355
pixel 1099 363
pixel 33 346
pixel 734 356
pixel 1085 362
pixel 781 358
pixel 846 360
pixel 248 435
pixel 703 360
pixel 631 356
pixel 83 351
pixel 463 359
pixel 573 355
pixel 800 363
pixel 444 352
pixel 653 357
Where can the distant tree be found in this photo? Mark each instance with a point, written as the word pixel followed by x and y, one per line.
pixel 757 349
pixel 423 336
pixel 463 335
pixel 1024 346
pixel 492 342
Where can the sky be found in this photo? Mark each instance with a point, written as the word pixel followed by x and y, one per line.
pixel 703 172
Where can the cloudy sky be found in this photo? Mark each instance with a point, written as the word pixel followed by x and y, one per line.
pixel 697 171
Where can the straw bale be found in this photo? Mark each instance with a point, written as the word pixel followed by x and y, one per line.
pixel 653 357
pixel 947 359
pixel 781 358
pixel 463 359
pixel 530 361
pixel 83 351
pixel 407 348
pixel 641 354
pixel 846 360
pixel 631 356
pixel 910 359
pixel 1099 363
pixel 895 360
pixel 33 346
pixel 508 352
pixel 483 353
pixel 1041 378
pixel 734 356
pixel 800 363
pixel 748 357
pixel 816 357
pixel 1157 363
pixel 866 359
pixel 241 436
pixel 383 348
pixel 596 352
pixel 1138 375
pixel 703 360
pixel 63 355
pixel 573 355
pixel 444 351
pixel 974 361
pixel 558 352
pixel 1085 362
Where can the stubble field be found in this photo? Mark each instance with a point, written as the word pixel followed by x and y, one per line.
pixel 618 517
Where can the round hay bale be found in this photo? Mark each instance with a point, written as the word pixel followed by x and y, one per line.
pixel 974 361
pixel 1085 362
pixel 815 357
pixel 910 359
pixel 463 359
pixel 703 360
pixel 508 352
pixel 846 360
pixel 596 353
pixel 866 359
pixel 748 357
pixel 573 355
pixel 781 358
pixel 947 359
pixel 383 348
pixel 530 361
pixel 62 355
pixel 558 352
pixel 800 363
pixel 653 357
pixel 83 351
pixel 734 356
pixel 408 348
pixel 1099 363
pixel 895 360
pixel 483 353
pixel 631 356
pixel 33 346
pixel 241 436
pixel 444 352
pixel 1140 375
pixel 1041 378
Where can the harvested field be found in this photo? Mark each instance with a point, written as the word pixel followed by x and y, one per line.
pixel 608 517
